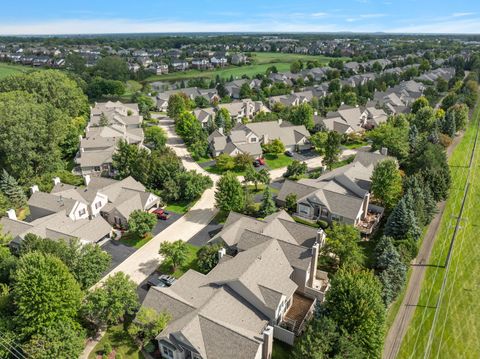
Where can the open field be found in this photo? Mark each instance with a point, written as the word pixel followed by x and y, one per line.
pixel 11 69
pixel 456 329
pixel 262 61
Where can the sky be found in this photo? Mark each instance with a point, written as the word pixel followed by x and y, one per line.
pixel 141 16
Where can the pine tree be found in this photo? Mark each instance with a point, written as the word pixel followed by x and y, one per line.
pixel 12 190
pixel 402 223
pixel 413 137
pixel 268 205
pixel 393 270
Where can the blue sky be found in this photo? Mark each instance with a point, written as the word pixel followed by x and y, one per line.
pixel 125 16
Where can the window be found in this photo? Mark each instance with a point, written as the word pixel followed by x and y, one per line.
pixel 98 205
pixel 253 139
pixel 82 212
pixel 166 351
pixel 96 168
pixel 324 212
pixel 304 209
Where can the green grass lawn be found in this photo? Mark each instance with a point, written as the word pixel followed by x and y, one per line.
pixel 120 341
pixel 281 350
pixel 277 161
pixel 355 144
pixel 180 207
pixel 455 334
pixel 132 240
pixel 191 263
pixel 261 62
pixel 215 170
pixel 11 69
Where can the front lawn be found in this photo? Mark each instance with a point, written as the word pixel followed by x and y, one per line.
pixel 191 263
pixel 352 145
pixel 277 161
pixel 133 240
pixel 217 171
pixel 121 343
pixel 180 207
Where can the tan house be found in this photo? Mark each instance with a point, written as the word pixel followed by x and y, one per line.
pixel 265 288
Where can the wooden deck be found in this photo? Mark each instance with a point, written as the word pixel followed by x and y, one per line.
pixel 299 310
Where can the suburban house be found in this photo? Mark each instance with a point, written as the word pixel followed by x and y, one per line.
pixel 111 199
pixel 346 120
pixel 375 117
pixel 179 65
pixel 192 92
pixel 239 59
pixel 109 122
pixel 265 288
pixel 244 108
pixel 200 64
pixel 205 115
pixel 342 194
pixel 248 138
pixel 293 99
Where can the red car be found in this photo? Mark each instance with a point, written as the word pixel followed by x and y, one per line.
pixel 158 212
pixel 164 216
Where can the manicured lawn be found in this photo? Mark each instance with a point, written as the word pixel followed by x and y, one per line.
pixel 277 161
pixel 11 69
pixel 120 341
pixel 281 350
pixel 180 207
pixel 355 144
pixel 455 334
pixel 132 240
pixel 215 170
pixel 261 187
pixel 280 57
pixel 191 263
pixel 261 62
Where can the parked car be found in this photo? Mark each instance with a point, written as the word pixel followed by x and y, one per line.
pixel 259 162
pixel 163 280
pixel 167 279
pixel 164 216
pixel 289 153
pixel 158 212
pixel 155 282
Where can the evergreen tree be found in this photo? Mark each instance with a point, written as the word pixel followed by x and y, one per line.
pixel 447 126
pixel 12 190
pixel 413 137
pixel 268 205
pixel 402 223
pixel 393 271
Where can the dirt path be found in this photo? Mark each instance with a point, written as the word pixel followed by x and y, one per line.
pixel 399 327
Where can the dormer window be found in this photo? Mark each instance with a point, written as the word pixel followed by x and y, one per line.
pixel 82 212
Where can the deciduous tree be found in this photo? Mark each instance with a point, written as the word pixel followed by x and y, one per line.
pixel 175 253
pixel 141 222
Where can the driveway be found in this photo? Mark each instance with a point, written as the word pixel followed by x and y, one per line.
pixel 118 251
pixel 162 225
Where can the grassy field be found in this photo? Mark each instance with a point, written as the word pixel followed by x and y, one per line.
pixel 455 334
pixel 180 207
pixel 261 61
pixel 120 341
pixel 11 69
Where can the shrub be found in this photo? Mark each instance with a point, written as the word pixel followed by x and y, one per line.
pixel 323 224
pixel 107 348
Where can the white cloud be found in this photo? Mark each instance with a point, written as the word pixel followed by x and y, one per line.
pixel 459 26
pixel 319 14
pixel 462 14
